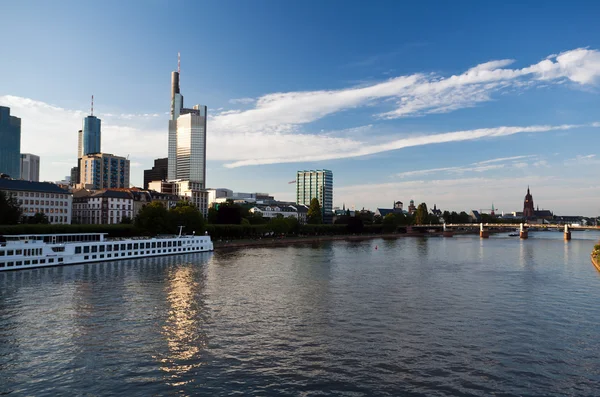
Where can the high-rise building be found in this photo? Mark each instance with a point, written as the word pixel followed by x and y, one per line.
pixel 187 139
pixel 79 144
pixel 10 144
pixel 157 173
pixel 316 184
pixel 103 171
pixel 30 167
pixel 91 139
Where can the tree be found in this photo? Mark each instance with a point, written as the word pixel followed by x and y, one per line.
pixel 187 215
pixel 390 223
pixel 10 210
pixel 355 225
pixel 212 215
pixel 278 225
pixel 314 215
pixel 153 219
pixel 256 218
pixel 422 215
pixel 38 218
pixel 126 220
pixel 229 214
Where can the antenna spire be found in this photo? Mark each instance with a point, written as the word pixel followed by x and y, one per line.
pixel 92 105
pixel 178 62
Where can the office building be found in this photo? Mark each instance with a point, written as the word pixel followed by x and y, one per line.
pixel 157 173
pixel 10 144
pixel 90 136
pixel 30 167
pixel 316 184
pixel 187 139
pixel 103 171
pixel 40 197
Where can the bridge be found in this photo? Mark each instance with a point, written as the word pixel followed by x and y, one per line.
pixel 484 228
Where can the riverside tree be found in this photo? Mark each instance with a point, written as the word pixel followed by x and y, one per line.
pixel 187 215
pixel 422 215
pixel 314 215
pixel 10 210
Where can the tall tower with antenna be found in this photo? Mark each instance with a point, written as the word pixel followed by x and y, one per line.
pixel 91 135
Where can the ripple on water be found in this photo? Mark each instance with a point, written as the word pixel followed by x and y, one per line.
pixel 434 317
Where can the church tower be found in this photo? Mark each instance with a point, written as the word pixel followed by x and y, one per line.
pixel 528 211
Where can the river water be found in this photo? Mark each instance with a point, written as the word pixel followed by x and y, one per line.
pixel 413 316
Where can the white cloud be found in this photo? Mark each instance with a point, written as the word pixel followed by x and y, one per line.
pixel 314 148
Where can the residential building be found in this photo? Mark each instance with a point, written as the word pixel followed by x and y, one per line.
pixel 165 187
pixel 103 171
pixel 30 167
pixel 158 172
pixel 103 207
pixel 273 211
pixel 10 144
pixel 40 197
pixel 316 184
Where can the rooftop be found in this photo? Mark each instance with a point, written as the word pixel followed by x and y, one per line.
pixel 28 186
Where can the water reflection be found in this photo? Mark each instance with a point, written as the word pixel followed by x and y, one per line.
pixel 184 326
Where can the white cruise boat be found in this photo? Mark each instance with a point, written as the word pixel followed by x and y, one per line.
pixel 43 250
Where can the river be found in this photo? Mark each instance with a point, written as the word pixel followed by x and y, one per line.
pixel 411 316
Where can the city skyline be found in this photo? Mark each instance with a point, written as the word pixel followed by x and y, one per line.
pixel 457 121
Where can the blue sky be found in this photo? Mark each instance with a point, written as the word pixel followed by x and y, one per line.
pixel 458 105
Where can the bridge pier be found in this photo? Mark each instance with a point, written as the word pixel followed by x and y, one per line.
pixel 523 233
pixel 483 233
pixel 567 233
pixel 447 232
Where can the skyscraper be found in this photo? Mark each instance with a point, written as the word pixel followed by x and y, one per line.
pixel 91 139
pixel 10 144
pixel 103 171
pixel 187 139
pixel 316 184
pixel 30 167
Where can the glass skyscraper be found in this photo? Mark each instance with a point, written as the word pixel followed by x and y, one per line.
pixel 10 144
pixel 187 139
pixel 90 141
pixel 316 184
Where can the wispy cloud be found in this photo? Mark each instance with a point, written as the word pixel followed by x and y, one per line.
pixel 242 101
pixel 317 151
pixel 477 167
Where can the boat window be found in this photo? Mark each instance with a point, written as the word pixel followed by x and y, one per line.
pixel 78 250
pixel 58 249
pixel 135 246
pixel 94 248
pixel 9 252
pixel 86 249
pixel 19 252
pixel 122 247
pixel 101 248
pixel 2 253
pixel 2 264
pixel 42 261
pixel 60 259
pixel 153 245
pixel 93 256
pixel 51 260
pixel 147 245
pixel 27 263
pixel 18 263
pixel 34 262
pixel 109 247
pixel 116 247
pixel 86 257
pixel 101 256
pixel 129 246
pixel 179 243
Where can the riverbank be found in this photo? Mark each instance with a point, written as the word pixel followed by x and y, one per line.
pixel 595 257
pixel 279 242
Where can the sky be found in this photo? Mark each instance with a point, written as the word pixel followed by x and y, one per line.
pixel 462 105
